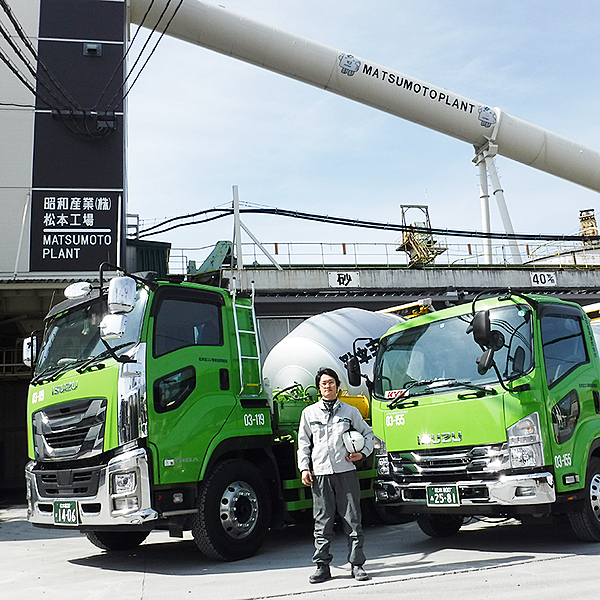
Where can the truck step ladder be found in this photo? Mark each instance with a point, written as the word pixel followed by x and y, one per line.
pixel 248 344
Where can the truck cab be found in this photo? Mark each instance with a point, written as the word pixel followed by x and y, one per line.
pixel 146 410
pixel 490 408
pixel 143 391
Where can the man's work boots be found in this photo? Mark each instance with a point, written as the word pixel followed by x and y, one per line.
pixel 321 574
pixel 359 573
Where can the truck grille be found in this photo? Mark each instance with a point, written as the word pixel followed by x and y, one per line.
pixel 449 464
pixel 67 482
pixel 70 430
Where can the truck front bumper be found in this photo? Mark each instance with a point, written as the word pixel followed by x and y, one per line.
pixel 117 493
pixel 507 490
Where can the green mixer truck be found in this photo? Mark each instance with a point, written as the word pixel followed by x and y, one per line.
pixel 146 411
pixel 490 408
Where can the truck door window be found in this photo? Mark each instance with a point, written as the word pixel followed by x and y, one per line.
pixel 186 320
pixel 563 344
pixel 565 414
pixel 171 390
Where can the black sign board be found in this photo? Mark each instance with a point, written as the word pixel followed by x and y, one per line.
pixel 78 151
pixel 73 230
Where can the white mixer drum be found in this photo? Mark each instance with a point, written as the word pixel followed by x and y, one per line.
pixel 326 340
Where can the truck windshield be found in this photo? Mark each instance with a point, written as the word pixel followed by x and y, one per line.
pixel 73 336
pixel 443 353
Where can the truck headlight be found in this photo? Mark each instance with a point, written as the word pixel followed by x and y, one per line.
pixel 124 483
pixel 126 504
pixel 383 465
pixel 382 462
pixel 525 443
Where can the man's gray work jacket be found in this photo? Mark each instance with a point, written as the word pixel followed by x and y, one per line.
pixel 321 449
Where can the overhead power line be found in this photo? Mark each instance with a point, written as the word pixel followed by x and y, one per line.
pixel 122 61
pixel 211 214
pixel 164 31
pixel 67 100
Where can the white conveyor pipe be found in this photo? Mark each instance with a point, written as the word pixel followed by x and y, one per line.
pixel 383 88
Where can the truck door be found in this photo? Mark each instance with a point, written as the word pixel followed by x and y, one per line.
pixel 188 368
pixel 572 385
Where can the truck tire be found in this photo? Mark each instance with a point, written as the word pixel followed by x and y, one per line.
pixel 117 540
pixel 438 526
pixel 586 521
pixel 234 511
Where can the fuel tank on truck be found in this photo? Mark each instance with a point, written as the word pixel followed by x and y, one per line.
pixel 325 340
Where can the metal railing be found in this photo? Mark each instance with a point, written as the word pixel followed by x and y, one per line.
pixel 11 364
pixel 360 254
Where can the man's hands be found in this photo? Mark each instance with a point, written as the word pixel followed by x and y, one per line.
pixel 307 477
pixel 354 456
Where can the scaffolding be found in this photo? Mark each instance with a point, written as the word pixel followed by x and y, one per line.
pixel 417 240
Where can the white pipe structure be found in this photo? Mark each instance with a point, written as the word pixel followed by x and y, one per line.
pixel 237 232
pixel 388 90
pixel 484 196
pixel 499 195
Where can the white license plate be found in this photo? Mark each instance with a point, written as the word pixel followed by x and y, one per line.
pixel 442 495
pixel 66 512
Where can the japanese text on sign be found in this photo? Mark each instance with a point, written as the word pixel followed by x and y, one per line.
pixel 344 279
pixel 73 230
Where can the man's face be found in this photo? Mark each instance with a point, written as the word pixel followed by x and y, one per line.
pixel 328 387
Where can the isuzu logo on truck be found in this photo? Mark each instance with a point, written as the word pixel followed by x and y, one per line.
pixel 427 439
pixel 65 387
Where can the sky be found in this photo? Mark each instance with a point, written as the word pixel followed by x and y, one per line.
pixel 200 122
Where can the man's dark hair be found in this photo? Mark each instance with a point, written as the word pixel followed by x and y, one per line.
pixel 326 371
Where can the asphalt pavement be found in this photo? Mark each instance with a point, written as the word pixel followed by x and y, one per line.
pixel 485 560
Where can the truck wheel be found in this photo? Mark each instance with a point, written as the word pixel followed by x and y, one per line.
pixel 437 526
pixel 117 540
pixel 234 511
pixel 586 521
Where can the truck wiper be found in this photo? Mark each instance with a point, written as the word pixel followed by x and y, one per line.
pixel 52 372
pixel 90 362
pixel 451 382
pixel 485 389
pixel 41 377
pixel 396 402
pixel 430 383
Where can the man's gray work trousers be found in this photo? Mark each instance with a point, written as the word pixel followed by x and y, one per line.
pixel 339 492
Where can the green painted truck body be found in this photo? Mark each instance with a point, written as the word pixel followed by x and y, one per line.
pixel 516 436
pixel 173 431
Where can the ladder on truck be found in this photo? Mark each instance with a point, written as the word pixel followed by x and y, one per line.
pixel 248 345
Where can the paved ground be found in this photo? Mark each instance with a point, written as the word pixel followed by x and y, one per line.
pixel 482 561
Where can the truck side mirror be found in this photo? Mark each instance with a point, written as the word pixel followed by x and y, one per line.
pixel 112 327
pixel 481 328
pixel 354 374
pixel 485 361
pixel 29 350
pixel 121 295
pixel 77 290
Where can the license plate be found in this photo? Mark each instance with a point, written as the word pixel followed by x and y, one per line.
pixel 66 513
pixel 442 495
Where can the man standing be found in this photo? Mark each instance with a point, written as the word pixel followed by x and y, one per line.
pixel 329 468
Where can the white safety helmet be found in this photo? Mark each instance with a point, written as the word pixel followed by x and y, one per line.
pixel 353 440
